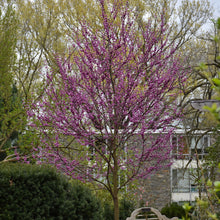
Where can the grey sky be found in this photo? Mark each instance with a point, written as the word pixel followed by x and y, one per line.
pixel 216 6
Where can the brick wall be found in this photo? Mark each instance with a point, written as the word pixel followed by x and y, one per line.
pixel 157 189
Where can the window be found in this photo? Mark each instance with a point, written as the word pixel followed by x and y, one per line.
pixel 199 145
pixel 187 146
pixel 183 181
pixel 180 147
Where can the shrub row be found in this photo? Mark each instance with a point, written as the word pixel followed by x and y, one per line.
pixel 173 210
pixel 126 207
pixel 39 192
pixel 33 192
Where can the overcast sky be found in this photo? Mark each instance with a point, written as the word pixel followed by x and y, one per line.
pixel 216 6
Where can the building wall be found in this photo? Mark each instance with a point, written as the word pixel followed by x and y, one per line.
pixel 157 190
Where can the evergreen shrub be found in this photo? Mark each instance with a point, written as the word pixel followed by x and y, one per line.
pixel 126 207
pixel 34 192
pixel 173 210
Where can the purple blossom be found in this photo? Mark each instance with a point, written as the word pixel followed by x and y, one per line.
pixel 117 91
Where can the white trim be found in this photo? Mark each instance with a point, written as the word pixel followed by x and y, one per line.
pixel 177 197
pixel 178 164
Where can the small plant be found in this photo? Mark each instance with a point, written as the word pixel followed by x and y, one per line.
pixel 187 208
pixel 205 207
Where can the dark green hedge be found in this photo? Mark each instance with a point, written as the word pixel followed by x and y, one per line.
pixel 34 192
pixel 126 207
pixel 173 210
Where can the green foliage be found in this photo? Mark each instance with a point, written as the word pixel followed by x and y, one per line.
pixel 187 208
pixel 216 81
pixel 13 119
pixel 127 202
pixel 108 213
pixel 212 158
pixel 217 186
pixel 8 38
pixel 11 109
pixel 218 23
pixel 207 207
pixel 173 210
pixel 34 192
pixel 126 207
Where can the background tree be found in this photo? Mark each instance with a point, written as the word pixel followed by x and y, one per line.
pixel 110 97
pixel 208 69
pixel 15 91
pixel 11 111
pixel 57 19
pixel 211 70
pixel 39 40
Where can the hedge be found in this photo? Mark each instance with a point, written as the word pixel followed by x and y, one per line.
pixel 126 207
pixel 173 210
pixel 34 192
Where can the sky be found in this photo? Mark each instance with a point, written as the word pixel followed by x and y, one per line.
pixel 216 6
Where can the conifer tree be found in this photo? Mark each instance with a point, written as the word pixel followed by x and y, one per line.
pixel 10 104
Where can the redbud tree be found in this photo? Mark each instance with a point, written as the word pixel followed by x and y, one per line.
pixel 111 105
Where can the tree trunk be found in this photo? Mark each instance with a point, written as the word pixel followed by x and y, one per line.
pixel 116 208
pixel 115 187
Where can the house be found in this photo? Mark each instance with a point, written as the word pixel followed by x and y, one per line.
pixel 178 183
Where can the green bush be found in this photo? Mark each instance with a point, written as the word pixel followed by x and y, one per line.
pixel 126 207
pixel 34 192
pixel 173 210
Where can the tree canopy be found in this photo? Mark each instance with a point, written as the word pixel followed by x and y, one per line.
pixel 111 96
